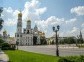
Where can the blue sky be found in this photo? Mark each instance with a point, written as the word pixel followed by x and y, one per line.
pixel 69 14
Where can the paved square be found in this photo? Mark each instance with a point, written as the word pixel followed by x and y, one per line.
pixel 51 50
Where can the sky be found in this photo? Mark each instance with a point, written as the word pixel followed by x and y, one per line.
pixel 69 14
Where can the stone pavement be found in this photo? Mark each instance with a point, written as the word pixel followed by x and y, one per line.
pixel 3 57
pixel 51 50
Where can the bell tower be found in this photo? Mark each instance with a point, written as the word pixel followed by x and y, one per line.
pixel 35 28
pixel 19 23
pixel 28 24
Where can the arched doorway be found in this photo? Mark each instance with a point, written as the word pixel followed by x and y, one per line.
pixel 34 40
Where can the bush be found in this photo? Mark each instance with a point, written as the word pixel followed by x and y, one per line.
pixel 1 41
pixel 63 60
pixel 13 47
pixel 6 46
pixel 72 59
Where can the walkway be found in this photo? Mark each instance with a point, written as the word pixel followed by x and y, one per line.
pixel 51 50
pixel 3 57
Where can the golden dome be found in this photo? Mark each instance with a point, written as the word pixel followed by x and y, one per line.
pixel 5 31
pixel 29 21
pixel 20 14
pixel 43 33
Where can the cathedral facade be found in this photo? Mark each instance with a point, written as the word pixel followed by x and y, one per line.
pixel 28 36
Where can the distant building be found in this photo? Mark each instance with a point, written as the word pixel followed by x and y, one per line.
pixel 52 40
pixel 6 37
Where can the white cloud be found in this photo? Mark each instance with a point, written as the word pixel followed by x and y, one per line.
pixel 9 22
pixel 53 21
pixel 50 21
pixel 9 16
pixel 73 32
pixel 82 25
pixel 40 10
pixel 71 20
pixel 78 10
pixel 31 10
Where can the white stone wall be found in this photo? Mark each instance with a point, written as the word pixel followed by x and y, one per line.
pixel 27 39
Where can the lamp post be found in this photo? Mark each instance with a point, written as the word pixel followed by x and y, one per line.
pixel 17 44
pixel 56 30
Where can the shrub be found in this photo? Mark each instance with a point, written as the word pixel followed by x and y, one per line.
pixel 72 59
pixel 63 60
pixel 1 41
pixel 5 46
pixel 13 47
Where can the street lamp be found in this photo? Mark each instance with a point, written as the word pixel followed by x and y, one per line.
pixel 56 30
pixel 17 44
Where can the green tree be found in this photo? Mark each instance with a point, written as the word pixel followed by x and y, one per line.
pixel 71 40
pixel 68 40
pixel 53 42
pixel 43 40
pixel 1 20
pixel 5 46
pixel 1 41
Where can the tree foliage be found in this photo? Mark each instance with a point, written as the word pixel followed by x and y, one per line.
pixel 68 40
pixel 1 20
pixel 43 40
pixel 1 41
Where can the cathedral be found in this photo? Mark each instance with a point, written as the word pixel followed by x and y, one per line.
pixel 28 36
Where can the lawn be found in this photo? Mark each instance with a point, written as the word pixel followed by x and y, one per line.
pixel 23 56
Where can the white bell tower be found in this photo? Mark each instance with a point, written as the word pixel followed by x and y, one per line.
pixel 19 23
pixel 28 24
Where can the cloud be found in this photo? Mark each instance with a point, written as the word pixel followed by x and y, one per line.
pixel 71 20
pixel 73 32
pixel 82 25
pixel 9 16
pixel 9 22
pixel 31 11
pixel 78 10
pixel 53 21
pixel 40 10
pixel 44 24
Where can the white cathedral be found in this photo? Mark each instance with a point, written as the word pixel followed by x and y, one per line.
pixel 28 36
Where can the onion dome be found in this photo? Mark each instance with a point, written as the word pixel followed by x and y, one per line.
pixel 4 31
pixel 20 14
pixel 29 21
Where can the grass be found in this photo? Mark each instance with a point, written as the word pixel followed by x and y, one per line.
pixel 23 56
